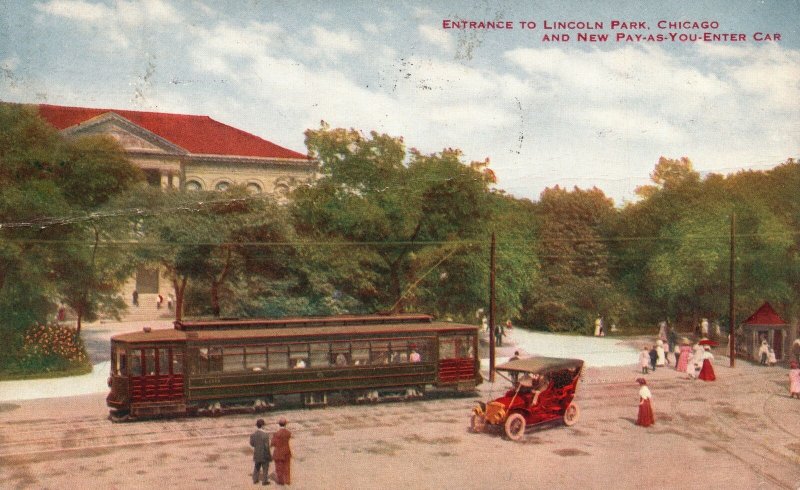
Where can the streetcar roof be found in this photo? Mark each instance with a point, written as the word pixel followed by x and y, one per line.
pixel 540 364
pixel 309 321
pixel 173 335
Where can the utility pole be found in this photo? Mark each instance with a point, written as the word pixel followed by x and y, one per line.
pixel 492 325
pixel 732 298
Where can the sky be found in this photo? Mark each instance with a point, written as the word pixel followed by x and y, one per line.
pixel 566 112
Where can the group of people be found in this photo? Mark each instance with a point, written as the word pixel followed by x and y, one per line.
pixel 766 354
pixel 159 300
pixel 281 453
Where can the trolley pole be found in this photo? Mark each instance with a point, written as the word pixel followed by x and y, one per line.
pixel 492 325
pixel 732 292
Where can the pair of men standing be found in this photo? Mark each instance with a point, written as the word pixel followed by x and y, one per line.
pixel 282 454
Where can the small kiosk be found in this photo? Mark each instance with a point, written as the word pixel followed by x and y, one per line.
pixel 764 324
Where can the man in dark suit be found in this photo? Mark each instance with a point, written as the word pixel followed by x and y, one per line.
pixel 259 441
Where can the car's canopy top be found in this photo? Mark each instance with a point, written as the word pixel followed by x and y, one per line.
pixel 540 364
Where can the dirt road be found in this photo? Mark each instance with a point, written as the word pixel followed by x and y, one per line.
pixel 738 432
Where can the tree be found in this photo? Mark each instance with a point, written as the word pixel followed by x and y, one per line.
pixel 396 216
pixel 575 281
pixel 51 188
pixel 212 239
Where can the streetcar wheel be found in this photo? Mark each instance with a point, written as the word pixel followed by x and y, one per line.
pixel 515 426
pixel 477 423
pixel 571 414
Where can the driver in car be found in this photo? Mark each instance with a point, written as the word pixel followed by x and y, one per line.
pixel 534 384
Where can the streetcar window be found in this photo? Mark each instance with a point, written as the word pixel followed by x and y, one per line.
pixel 200 357
pixel 163 361
pixel 136 362
pixel 233 360
pixel 399 351
pixel 255 357
pixel 420 346
pixel 379 353
pixel 120 361
pixel 340 354
pixel 461 346
pixel 298 355
pixel 150 362
pixel 447 348
pixel 319 353
pixel 278 357
pixel 177 361
pixel 360 353
pixel 214 359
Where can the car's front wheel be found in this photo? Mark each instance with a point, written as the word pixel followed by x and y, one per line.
pixel 515 426
pixel 477 423
pixel 571 414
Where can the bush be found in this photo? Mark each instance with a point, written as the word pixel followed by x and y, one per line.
pixel 51 347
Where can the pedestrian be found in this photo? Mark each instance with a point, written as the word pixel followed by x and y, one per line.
pixel 514 374
pixel 704 328
pixel 499 332
pixel 685 353
pixel 644 359
pixel 135 298
pixel 772 359
pixel 282 455
pixel 796 351
pixel 698 354
pixel 653 358
pixel 159 301
pixel 598 326
pixel 707 371
pixel 259 441
pixel 763 353
pixel 794 380
pixel 170 301
pixel 676 354
pixel 661 358
pixel 646 417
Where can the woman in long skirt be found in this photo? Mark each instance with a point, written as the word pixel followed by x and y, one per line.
pixel 645 418
pixel 683 357
pixel 794 380
pixel 707 371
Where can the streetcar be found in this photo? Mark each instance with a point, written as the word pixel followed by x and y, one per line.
pixel 221 366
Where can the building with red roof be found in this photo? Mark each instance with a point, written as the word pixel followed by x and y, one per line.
pixel 765 325
pixel 184 152
pixel 187 151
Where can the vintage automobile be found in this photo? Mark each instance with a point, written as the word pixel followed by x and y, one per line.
pixel 543 391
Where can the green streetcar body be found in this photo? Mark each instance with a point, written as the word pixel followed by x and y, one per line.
pixel 245 363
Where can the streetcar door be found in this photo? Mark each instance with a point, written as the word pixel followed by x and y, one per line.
pixel 156 374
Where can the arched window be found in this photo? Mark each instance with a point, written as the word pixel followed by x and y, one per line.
pixel 222 186
pixel 253 188
pixel 281 190
pixel 193 185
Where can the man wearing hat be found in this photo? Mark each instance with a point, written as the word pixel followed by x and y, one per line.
pixel 282 454
pixel 259 441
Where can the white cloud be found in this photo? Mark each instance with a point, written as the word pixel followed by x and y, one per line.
pixel 75 10
pixel 117 24
pixel 333 43
pixel 437 37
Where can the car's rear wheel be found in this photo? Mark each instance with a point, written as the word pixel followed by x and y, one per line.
pixel 477 423
pixel 571 414
pixel 515 426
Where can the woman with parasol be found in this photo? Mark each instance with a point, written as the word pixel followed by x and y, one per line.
pixel 707 371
